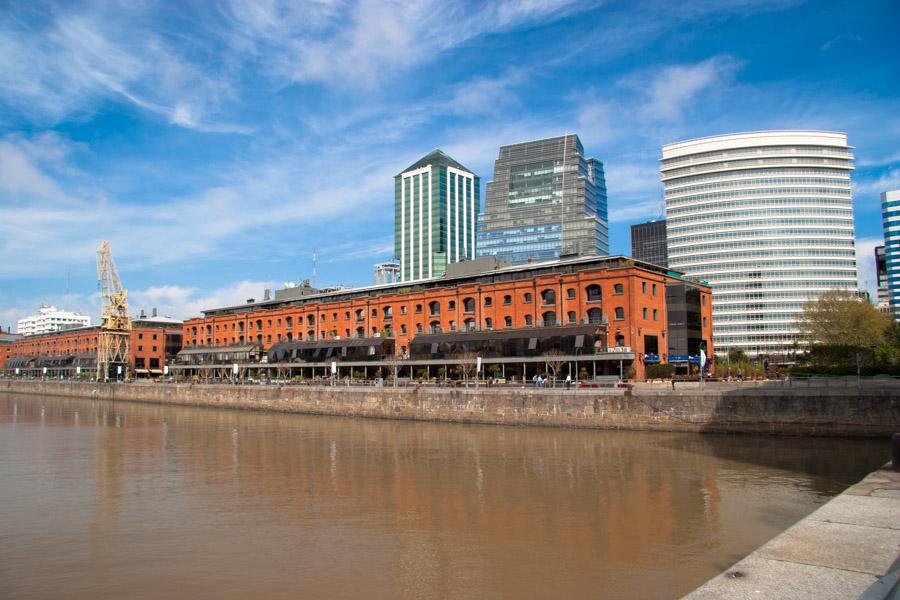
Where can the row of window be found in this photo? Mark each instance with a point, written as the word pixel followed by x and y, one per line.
pixel 688 173
pixel 754 223
pixel 758 150
pixel 767 229
pixel 752 211
pixel 812 204
pixel 787 244
pixel 739 254
pixel 789 171
pixel 843 193
pixel 840 281
pixel 734 182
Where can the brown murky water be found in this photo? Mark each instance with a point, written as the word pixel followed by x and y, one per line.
pixel 108 500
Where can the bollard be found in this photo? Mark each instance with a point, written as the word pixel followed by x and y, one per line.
pixel 895 451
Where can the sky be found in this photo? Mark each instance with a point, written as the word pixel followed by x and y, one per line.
pixel 217 145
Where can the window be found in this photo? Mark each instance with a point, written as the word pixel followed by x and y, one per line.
pixel 570 293
pixel 488 323
pixel 618 289
pixel 140 348
pixel 403 329
pixel 507 299
pixel 469 324
pixel 549 318
pixel 654 289
pixel 620 340
pixel 310 320
pixel 488 301
pixel 360 315
pixel 154 363
pixel 452 324
pixel 139 362
pixel 451 305
pixel 620 313
pixel 507 321
pixel 595 316
pixel 347 315
pixel 418 328
pixel 571 317
pixel 154 347
pixel 403 310
pixel 704 320
pixel 269 339
pixel 528 322
pixel 644 313
pixel 418 309
pixel 374 313
pixel 434 307
pixel 268 323
pixel 643 287
pixel 703 300
pixel 469 305
pixel 360 331
pixel 548 297
pixel 388 313
pixel 258 324
pixel 594 293
pixel 435 326
pixel 655 314
pixel 334 316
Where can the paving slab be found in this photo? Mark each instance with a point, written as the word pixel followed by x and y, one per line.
pixel 871 511
pixel 837 545
pixel 762 578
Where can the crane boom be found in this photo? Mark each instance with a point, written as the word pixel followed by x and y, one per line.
pixel 115 325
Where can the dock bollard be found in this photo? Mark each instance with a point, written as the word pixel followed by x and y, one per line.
pixel 895 451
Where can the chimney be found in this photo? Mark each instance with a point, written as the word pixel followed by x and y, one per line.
pixel 154 311
pixel 142 315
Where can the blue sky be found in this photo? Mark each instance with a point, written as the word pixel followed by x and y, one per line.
pixel 215 145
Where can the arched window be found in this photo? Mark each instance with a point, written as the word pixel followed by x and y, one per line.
pixel 507 299
pixel 528 322
pixel 435 326
pixel 311 334
pixel 570 293
pixel 289 322
pixel 549 318
pixel 418 328
pixel 259 323
pixel 434 307
pixel 620 340
pixel 507 321
pixel 548 297
pixel 571 316
pixel 594 293
pixel 618 289
pixel 488 323
pixel 527 297
pixel 418 309
pixel 468 305
pixel 310 320
pixel 289 336
pixel 241 326
pixel 620 313
pixel 595 316
pixel 360 331
pixel 469 324
pixel 451 305
pixel 387 312
pixel 488 301
pixel 374 330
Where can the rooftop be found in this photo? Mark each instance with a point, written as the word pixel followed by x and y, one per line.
pixel 435 158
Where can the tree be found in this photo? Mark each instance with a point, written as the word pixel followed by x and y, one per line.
pixel 555 362
pixel 737 355
pixel 838 317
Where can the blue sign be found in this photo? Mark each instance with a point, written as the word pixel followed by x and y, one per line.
pixel 651 358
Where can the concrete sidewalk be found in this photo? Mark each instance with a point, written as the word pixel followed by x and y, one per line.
pixel 836 552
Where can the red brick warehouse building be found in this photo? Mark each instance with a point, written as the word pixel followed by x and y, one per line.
pixel 154 342
pixel 639 307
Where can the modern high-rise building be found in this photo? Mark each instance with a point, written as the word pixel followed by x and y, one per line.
pixel 884 299
pixel 767 219
pixel 890 220
pixel 436 202
pixel 49 319
pixel 387 272
pixel 648 242
pixel 546 200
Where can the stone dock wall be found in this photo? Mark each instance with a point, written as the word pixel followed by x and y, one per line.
pixel 761 410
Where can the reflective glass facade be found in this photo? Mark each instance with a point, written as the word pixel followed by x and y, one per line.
pixel 648 243
pixel 546 199
pixel 436 203
pixel 890 219
pixel 767 219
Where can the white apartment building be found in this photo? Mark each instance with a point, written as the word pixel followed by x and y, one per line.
pixel 767 219
pixel 50 318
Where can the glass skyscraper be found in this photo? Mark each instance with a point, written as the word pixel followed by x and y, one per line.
pixel 546 199
pixel 436 202
pixel 767 219
pixel 890 220
pixel 648 243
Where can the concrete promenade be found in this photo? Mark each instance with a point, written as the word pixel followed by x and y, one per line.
pixel 768 410
pixel 837 552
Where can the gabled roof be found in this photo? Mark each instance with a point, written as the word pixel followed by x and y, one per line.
pixel 436 158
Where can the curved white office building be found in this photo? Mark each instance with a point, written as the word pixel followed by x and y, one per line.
pixel 767 219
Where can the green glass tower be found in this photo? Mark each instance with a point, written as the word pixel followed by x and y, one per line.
pixel 436 205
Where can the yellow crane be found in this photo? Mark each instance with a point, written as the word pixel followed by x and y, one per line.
pixel 115 326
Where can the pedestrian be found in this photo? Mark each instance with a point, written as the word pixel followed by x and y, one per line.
pixel 541 381
pixel 535 379
pixel 568 381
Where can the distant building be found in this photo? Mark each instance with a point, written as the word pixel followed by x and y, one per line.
pixel 387 272
pixel 884 300
pixel 546 200
pixel 436 202
pixel 890 219
pixel 50 319
pixel 767 219
pixel 648 242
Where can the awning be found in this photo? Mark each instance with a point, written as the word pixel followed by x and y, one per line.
pixel 533 334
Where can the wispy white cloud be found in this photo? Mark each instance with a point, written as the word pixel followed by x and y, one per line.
pixel 865 264
pixel 885 181
pixel 185 302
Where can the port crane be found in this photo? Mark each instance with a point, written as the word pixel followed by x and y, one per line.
pixel 115 325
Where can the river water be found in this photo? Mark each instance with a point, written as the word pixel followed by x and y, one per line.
pixel 118 500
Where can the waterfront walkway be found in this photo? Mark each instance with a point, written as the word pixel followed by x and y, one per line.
pixel 837 552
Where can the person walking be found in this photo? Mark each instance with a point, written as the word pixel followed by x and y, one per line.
pixel 568 381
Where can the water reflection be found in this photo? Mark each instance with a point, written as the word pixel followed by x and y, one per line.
pixel 152 501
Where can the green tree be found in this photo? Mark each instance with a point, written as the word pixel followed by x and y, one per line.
pixel 736 355
pixel 839 317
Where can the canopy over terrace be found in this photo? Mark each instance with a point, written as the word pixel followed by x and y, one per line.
pixel 522 342
pixel 360 349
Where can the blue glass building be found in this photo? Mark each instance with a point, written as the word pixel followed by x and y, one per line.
pixel 890 219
